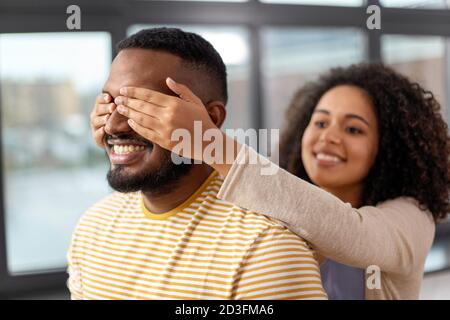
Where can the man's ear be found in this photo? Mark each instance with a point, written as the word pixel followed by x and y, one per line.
pixel 217 112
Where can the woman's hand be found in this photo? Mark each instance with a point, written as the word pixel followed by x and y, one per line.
pixel 156 116
pixel 103 108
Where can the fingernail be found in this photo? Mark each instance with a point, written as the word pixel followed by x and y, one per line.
pixel 106 97
pixel 123 91
pixel 121 109
pixel 118 101
pixel 169 79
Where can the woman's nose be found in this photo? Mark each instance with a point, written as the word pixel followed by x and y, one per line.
pixel 116 124
pixel 330 135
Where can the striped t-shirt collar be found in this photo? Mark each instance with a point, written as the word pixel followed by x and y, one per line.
pixel 185 204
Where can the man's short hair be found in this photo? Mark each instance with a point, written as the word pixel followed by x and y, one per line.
pixel 190 47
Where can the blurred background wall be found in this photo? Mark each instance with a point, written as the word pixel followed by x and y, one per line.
pixel 49 76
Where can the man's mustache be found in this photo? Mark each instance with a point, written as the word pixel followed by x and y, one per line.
pixel 128 137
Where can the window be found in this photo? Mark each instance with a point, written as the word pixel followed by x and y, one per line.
pixel 422 59
pixel 423 4
pixel 232 45
pixel 294 56
pixel 211 0
pixel 439 256
pixel 353 3
pixel 52 170
pixel 50 167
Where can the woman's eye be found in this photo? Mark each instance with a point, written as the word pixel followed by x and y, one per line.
pixel 354 130
pixel 320 124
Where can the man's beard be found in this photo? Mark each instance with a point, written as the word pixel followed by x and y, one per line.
pixel 157 181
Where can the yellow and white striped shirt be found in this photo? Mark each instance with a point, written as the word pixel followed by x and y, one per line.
pixel 205 248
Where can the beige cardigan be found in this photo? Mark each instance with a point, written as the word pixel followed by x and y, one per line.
pixel 395 235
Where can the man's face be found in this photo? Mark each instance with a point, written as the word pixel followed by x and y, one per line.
pixel 136 163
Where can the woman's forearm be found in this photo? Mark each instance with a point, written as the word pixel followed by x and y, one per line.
pixel 388 236
pixel 225 156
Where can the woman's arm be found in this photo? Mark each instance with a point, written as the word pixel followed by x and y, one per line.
pixel 395 235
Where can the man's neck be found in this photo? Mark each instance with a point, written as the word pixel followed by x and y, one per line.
pixel 180 191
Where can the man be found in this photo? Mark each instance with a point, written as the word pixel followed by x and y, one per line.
pixel 164 234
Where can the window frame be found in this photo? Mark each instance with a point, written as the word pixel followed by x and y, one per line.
pixel 116 16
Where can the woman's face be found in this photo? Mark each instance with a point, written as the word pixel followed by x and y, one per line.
pixel 340 144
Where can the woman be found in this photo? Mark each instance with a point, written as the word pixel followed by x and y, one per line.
pixel 366 154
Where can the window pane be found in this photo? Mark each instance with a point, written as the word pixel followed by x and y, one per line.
pixel 232 45
pixel 439 256
pixel 211 0
pixel 52 170
pixel 425 4
pixel 349 3
pixel 421 58
pixel 293 56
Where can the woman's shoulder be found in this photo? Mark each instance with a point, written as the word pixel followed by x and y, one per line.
pixel 409 211
pixel 404 203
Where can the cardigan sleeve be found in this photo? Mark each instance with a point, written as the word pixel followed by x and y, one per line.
pixel 396 235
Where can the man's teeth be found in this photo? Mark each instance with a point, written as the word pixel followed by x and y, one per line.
pixel 327 157
pixel 124 149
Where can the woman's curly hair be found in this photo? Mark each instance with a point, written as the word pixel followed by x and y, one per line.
pixel 414 146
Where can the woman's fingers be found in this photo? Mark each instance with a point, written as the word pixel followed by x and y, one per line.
pixel 103 104
pixel 145 132
pixel 103 98
pixel 140 118
pixel 99 121
pixel 103 108
pixel 99 135
pixel 148 95
pixel 183 91
pixel 139 105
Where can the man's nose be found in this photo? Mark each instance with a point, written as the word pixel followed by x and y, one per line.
pixel 116 124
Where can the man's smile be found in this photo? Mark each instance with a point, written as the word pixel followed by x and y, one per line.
pixel 127 151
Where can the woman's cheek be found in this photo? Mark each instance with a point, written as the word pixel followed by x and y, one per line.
pixel 307 147
pixel 360 157
pixel 308 139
